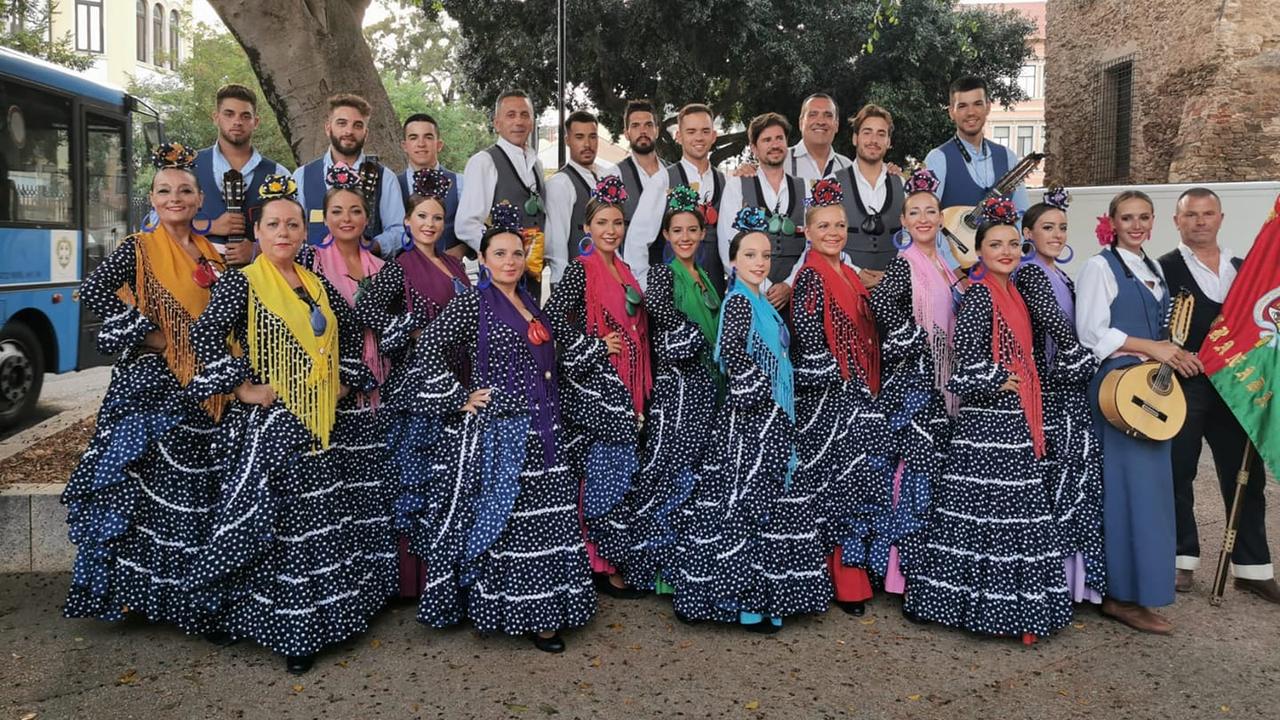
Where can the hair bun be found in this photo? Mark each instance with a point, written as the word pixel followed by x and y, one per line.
pixel 432 183
pixel 683 198
pixel 609 190
pixel 172 155
pixel 505 216
pixel 1057 197
pixel 922 179
pixel 825 193
pixel 342 175
pixel 751 219
pixel 999 211
pixel 278 186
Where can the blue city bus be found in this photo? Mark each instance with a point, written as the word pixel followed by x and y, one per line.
pixel 66 171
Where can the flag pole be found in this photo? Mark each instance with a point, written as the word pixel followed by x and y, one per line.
pixel 1229 537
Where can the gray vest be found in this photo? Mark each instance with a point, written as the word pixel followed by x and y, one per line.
pixel 871 251
pixel 629 171
pixel 787 249
pixel 512 189
pixel 582 195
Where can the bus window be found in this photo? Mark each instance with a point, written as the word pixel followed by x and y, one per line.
pixel 107 209
pixel 35 157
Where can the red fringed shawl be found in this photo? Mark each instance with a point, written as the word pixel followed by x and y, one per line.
pixel 848 321
pixel 1011 348
pixel 606 307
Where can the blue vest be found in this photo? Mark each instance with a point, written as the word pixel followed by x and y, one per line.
pixel 213 207
pixel 313 189
pixel 1135 311
pixel 448 239
pixel 960 189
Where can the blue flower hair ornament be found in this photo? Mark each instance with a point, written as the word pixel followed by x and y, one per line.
pixel 751 219
pixel 507 217
pixel 610 190
pixel 341 175
pixel 999 211
pixel 431 183
pixel 1057 197
pixel 825 193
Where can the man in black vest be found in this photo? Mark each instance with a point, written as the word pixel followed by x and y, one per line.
pixel 641 169
pixel 696 135
pixel 507 170
pixel 1207 270
pixel 236 117
pixel 780 194
pixel 569 190
pixel 872 195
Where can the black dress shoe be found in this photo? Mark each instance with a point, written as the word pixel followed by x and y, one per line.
pixel 299 664
pixel 1266 589
pixel 856 609
pixel 221 638
pixel 601 581
pixel 764 627
pixel 553 644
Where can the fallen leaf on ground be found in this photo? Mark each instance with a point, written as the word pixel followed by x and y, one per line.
pixel 1078 625
pixel 29 716
pixel 128 678
pixel 1225 708
pixel 516 708
pixel 868 621
pixel 548 709
pixel 753 705
pixel 595 661
pixel 375 643
pixel 298 688
pixel 914 698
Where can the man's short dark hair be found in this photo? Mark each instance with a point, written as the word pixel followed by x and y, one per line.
pixel 512 93
pixel 421 117
pixel 1198 193
pixel 350 100
pixel 579 116
pixel 694 109
pixel 804 105
pixel 763 122
pixel 236 91
pixel 871 110
pixel 638 105
pixel 968 83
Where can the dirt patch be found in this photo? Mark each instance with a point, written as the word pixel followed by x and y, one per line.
pixel 50 460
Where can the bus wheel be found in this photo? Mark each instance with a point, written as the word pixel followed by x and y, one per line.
pixel 21 372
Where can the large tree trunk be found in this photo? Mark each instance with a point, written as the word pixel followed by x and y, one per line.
pixel 303 51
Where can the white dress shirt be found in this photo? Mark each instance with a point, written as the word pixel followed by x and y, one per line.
pixel 1214 283
pixel 872 193
pixel 562 193
pixel 646 222
pixel 799 163
pixel 1096 288
pixel 478 182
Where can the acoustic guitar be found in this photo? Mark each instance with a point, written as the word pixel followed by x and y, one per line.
pixel 1145 400
pixel 233 197
pixel 371 187
pixel 960 222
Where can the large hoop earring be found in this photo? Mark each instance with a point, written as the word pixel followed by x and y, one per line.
pixel 902 240
pixel 325 241
pixel 406 238
pixel 208 224
pixel 1028 249
pixel 977 272
pixel 486 278
pixel 1068 253
pixel 150 222
pixel 367 242
pixel 585 246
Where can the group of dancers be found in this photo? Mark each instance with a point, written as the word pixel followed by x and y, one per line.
pixel 286 445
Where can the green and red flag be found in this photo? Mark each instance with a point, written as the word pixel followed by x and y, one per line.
pixel 1241 354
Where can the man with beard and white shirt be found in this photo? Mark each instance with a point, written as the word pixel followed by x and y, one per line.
pixel 422 145
pixel 873 196
pixel 507 170
pixel 347 127
pixel 569 191
pixel 641 169
pixel 696 135
pixel 814 158
pixel 782 197
pixel 236 117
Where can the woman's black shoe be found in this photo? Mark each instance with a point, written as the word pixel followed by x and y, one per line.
pixel 221 638
pixel 856 609
pixel 601 581
pixel 764 627
pixel 299 664
pixel 553 644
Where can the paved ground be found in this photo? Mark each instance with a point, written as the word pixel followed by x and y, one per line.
pixel 71 394
pixel 635 661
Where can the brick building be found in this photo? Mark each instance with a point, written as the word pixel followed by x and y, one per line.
pixel 1163 91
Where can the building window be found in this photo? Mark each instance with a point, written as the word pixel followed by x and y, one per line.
pixel 173 39
pixel 89 26
pixel 1000 134
pixel 142 30
pixel 157 34
pixel 1111 154
pixel 1027 81
pixel 1026 140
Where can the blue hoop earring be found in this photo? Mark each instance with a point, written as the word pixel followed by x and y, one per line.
pixel 899 242
pixel 977 272
pixel 406 237
pixel 208 224
pixel 325 241
pixel 150 222
pixel 367 242
pixel 1070 255
pixel 733 277
pixel 585 246
pixel 486 278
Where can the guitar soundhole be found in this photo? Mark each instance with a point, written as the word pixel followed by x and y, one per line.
pixel 1159 383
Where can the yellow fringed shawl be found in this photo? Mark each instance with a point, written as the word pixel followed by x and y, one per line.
pixel 284 351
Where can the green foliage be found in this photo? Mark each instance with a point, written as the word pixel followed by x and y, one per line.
pixel 745 57
pixel 464 129
pixel 24 26
pixel 185 98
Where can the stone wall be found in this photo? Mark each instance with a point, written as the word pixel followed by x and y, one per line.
pixel 1206 87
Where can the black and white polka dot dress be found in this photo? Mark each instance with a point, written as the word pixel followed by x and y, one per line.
pixel 919 424
pixel 496 526
pixel 990 560
pixel 600 424
pixel 841 432
pixel 285 564
pixel 141 500
pixel 749 544
pixel 1074 457
pixel 677 428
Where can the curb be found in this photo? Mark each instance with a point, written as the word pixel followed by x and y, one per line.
pixel 63 420
pixel 33 529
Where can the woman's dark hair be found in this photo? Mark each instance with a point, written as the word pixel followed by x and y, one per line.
pixel 302 213
pixel 986 226
pixel 415 200
pixel 494 232
pixel 736 242
pixel 333 192
pixel 670 215
pixel 1033 213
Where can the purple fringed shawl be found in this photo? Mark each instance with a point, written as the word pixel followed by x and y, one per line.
pixel 1062 292
pixel 427 281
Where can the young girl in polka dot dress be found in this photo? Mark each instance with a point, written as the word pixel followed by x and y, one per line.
pixel 991 560
pixel 285 562
pixel 141 500
pixel 402 299
pixel 683 306
pixel 751 552
pixel 499 531
pixel 599 317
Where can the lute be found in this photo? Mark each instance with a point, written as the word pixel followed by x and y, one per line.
pixel 960 222
pixel 1146 400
